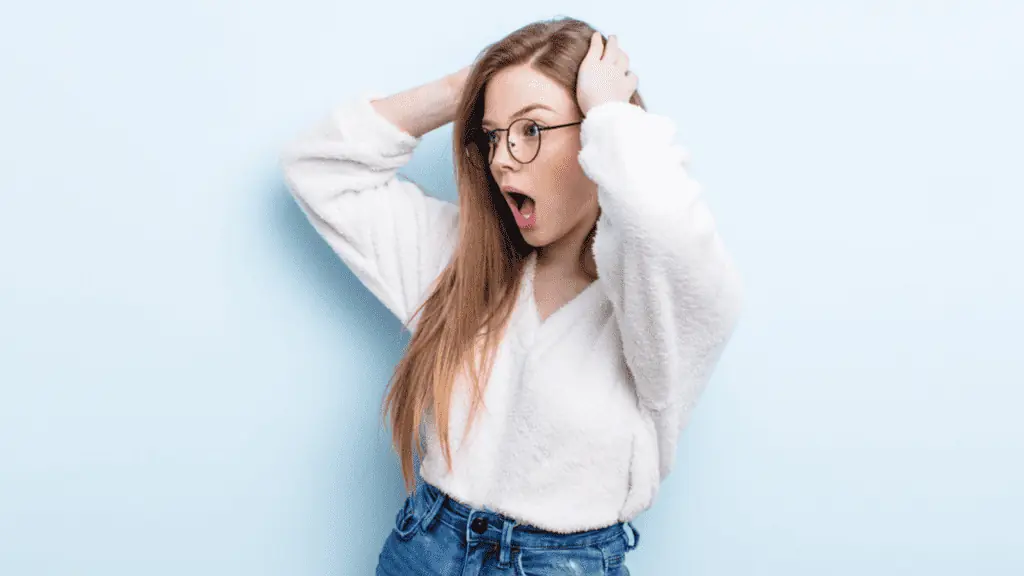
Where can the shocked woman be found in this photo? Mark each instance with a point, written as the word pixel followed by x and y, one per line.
pixel 565 314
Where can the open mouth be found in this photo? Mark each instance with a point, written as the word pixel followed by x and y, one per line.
pixel 520 199
pixel 522 207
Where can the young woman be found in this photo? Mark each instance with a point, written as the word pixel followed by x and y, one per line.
pixel 565 315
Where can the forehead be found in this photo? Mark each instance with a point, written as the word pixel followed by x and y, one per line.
pixel 515 87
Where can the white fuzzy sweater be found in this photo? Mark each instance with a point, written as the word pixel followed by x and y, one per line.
pixel 583 410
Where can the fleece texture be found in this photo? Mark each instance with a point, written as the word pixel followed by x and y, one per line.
pixel 584 409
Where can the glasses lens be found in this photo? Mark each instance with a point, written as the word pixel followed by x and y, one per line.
pixel 524 140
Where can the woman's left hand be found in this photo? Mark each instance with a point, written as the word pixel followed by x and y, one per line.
pixel 604 78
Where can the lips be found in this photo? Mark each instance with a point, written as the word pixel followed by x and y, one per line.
pixel 522 206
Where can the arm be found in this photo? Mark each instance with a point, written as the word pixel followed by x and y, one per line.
pixel 675 292
pixel 343 175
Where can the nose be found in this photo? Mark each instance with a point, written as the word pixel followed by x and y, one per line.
pixel 502 158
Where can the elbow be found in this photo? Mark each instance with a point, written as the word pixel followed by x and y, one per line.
pixel 289 173
pixel 296 169
pixel 723 302
pixel 711 288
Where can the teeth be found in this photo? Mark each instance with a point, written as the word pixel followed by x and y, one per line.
pixel 523 203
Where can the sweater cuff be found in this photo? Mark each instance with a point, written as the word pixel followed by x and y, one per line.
pixel 630 153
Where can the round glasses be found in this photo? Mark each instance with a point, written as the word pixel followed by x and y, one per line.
pixel 522 142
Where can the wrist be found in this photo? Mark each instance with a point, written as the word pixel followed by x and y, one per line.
pixel 455 83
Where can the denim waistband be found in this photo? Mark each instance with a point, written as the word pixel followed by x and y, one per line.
pixel 486 525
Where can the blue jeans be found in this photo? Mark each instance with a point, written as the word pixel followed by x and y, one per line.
pixel 435 535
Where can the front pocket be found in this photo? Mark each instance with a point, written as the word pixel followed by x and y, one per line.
pixel 406 519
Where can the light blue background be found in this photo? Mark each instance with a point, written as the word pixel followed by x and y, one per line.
pixel 190 381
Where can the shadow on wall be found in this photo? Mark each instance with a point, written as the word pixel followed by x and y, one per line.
pixel 360 475
pixel 354 469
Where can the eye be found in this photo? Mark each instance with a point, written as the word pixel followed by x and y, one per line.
pixel 491 136
pixel 527 128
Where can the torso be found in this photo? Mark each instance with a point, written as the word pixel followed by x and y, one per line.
pixel 561 401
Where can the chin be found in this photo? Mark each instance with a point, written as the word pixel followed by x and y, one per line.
pixel 535 237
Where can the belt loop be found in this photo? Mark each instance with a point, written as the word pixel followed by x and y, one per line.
pixel 636 537
pixel 435 506
pixel 504 556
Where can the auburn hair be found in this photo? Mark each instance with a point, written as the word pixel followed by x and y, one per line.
pixel 459 324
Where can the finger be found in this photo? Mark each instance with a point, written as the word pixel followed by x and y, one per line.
pixel 619 58
pixel 611 50
pixel 596 46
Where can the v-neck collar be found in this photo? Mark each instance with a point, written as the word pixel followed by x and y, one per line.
pixel 563 314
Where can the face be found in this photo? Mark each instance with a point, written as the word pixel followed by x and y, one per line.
pixel 564 199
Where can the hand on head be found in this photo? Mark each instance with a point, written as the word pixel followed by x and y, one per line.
pixel 604 75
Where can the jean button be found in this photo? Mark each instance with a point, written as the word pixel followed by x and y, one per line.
pixel 479 524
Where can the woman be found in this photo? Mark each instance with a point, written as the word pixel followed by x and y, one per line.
pixel 565 314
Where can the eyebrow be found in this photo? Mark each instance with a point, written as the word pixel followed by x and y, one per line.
pixel 520 112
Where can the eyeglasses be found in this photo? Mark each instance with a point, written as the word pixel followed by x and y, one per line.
pixel 522 143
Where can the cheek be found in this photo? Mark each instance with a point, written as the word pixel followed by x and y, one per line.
pixel 566 178
pixel 571 189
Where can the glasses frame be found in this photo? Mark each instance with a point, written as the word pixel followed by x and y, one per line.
pixel 508 146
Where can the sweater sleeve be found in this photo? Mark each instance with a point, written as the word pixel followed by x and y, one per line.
pixel 343 174
pixel 675 292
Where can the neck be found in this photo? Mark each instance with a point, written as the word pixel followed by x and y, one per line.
pixel 562 257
